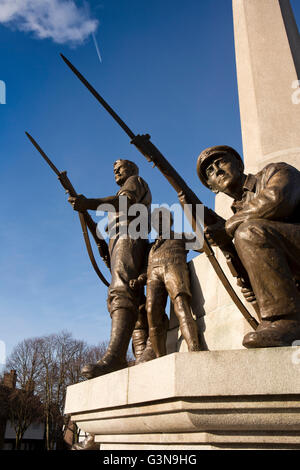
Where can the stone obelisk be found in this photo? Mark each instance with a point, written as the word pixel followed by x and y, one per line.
pixel 267 45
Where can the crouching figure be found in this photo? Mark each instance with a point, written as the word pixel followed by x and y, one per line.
pixel 265 229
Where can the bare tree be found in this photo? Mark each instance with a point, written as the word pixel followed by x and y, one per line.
pixel 4 408
pixel 95 353
pixel 25 408
pixel 62 358
pixel 49 364
pixel 25 360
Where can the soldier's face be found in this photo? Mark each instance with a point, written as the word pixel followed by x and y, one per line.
pixel 224 173
pixel 122 173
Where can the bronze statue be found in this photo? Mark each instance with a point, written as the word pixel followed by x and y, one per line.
pixel 265 228
pixel 168 274
pixel 126 260
pixel 87 444
pixel 186 197
pixel 141 347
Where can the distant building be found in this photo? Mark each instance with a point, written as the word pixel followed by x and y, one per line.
pixel 34 436
pixel 33 439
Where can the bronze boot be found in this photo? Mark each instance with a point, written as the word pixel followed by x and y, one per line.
pixel 189 331
pixel 187 324
pixel 147 355
pixel 157 337
pixel 122 325
pixel 281 331
pixel 139 342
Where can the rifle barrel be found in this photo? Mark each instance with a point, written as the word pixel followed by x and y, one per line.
pixel 99 98
pixel 34 142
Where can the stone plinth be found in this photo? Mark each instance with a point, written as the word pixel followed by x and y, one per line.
pixel 243 399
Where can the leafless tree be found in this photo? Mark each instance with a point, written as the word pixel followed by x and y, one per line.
pixel 25 360
pixel 94 353
pixel 62 358
pixel 4 408
pixel 47 366
pixel 25 408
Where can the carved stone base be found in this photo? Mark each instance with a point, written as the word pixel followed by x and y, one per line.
pixel 236 399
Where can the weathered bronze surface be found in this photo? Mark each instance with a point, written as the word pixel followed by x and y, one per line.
pixel 167 274
pixel 127 259
pixel 265 228
pixel 186 196
pixel 88 444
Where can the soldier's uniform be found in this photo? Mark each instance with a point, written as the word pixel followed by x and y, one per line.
pixel 266 229
pixel 266 232
pixel 127 256
pixel 168 274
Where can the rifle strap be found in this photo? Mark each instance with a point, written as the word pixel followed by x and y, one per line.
pixel 89 248
pixel 223 278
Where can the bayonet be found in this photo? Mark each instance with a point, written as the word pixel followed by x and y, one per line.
pixel 84 217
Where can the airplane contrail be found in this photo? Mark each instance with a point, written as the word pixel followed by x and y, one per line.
pixel 97 47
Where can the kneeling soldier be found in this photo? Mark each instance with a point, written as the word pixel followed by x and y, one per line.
pixel 265 228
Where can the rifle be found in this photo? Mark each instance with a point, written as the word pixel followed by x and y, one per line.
pixel 84 217
pixel 186 196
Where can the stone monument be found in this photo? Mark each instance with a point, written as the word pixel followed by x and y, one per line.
pixel 227 397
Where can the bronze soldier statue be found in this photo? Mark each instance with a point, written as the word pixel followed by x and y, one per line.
pixel 126 258
pixel 187 198
pixel 141 344
pixel 265 228
pixel 168 274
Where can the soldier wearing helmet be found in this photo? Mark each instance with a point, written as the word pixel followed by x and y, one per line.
pixel 265 228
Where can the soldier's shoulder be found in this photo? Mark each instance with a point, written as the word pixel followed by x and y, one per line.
pixel 273 168
pixel 278 166
pixel 136 179
pixel 132 179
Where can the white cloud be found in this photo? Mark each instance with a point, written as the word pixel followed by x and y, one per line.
pixel 60 20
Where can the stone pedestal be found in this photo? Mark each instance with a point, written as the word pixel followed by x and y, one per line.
pixel 209 400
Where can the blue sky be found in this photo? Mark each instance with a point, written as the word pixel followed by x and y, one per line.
pixel 168 68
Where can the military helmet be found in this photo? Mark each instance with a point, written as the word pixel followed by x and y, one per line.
pixel 208 154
